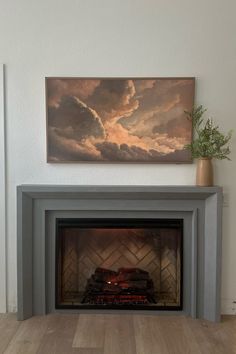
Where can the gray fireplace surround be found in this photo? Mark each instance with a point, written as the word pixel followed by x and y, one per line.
pixel 38 207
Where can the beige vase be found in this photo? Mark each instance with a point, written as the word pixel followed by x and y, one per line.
pixel 204 172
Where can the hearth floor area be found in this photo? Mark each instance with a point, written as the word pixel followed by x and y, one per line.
pixel 116 334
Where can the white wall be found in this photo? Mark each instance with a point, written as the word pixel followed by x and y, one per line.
pixel 2 197
pixel 114 38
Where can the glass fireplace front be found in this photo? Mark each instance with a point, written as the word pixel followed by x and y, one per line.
pixel 119 264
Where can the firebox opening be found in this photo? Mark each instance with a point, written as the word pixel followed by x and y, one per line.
pixel 119 264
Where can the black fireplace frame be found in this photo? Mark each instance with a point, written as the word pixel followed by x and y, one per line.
pixel 119 223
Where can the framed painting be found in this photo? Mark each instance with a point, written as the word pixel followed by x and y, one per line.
pixel 139 120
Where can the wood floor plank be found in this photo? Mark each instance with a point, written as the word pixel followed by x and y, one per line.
pixel 229 325
pixel 224 336
pixel 59 335
pixel 116 334
pixel 177 335
pixel 89 351
pixel 213 338
pixel 119 335
pixel 28 336
pixel 8 327
pixel 90 332
pixel 148 336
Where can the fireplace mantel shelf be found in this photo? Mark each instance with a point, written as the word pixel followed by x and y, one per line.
pixel 153 192
pixel 199 207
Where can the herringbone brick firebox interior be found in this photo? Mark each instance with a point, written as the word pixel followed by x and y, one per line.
pixel 119 263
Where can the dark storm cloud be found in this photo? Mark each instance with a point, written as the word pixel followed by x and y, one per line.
pixel 123 152
pixel 63 149
pixel 113 99
pixel 159 103
pixel 142 85
pixel 74 119
pixel 165 91
pixel 178 127
pixel 57 88
pixel 114 152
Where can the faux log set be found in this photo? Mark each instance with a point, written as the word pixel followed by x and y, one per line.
pixel 127 286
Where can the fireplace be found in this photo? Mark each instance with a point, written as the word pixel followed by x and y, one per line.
pixel 119 264
pixel 44 211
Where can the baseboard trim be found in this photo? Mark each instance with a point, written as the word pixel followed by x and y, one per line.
pixel 228 306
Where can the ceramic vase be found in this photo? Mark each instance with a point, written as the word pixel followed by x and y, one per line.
pixel 204 176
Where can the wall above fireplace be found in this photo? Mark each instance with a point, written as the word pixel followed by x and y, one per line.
pixel 40 205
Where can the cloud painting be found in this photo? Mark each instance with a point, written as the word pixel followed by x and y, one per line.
pixel 118 120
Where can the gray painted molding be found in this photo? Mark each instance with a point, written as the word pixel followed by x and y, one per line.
pixel 38 203
pixel 3 301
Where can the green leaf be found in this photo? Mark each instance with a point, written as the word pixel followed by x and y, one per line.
pixel 208 140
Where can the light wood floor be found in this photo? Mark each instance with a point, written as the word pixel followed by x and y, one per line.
pixel 116 334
